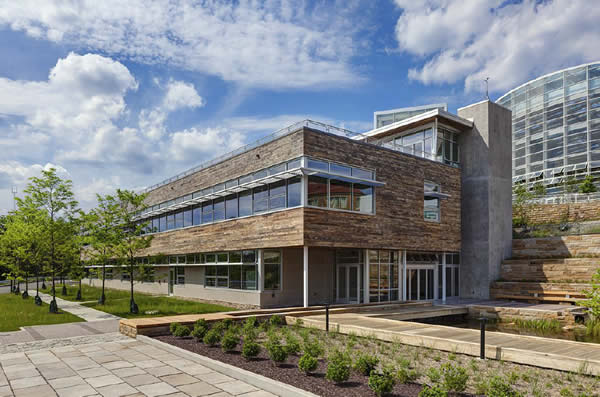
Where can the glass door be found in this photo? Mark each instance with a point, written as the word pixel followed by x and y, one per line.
pixel 348 284
pixel 171 279
pixel 421 282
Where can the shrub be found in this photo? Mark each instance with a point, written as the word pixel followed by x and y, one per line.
pixel 366 363
pixel 212 337
pixel 454 378
pixel 181 331
pixel 250 349
pixel 230 341
pixel 200 329
pixel 433 391
pixel 406 375
pixel 338 369
pixel 250 324
pixel 382 383
pixel 499 387
pixel 307 363
pixel 313 347
pixel 227 323
pixel 276 351
pixel 173 327
pixel 434 375
pixel 276 320
pixel 292 344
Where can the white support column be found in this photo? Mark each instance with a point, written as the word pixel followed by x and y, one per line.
pixel 366 277
pixel 305 276
pixel 261 270
pixel 404 281
pixel 443 277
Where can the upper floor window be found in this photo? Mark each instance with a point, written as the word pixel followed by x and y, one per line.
pixel 431 201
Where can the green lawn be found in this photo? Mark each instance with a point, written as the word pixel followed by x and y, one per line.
pixel 17 312
pixel 88 293
pixel 166 306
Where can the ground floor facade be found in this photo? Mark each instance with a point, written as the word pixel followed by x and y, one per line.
pixel 298 276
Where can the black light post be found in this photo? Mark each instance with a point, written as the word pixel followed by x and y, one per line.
pixel 482 321
pixel 327 317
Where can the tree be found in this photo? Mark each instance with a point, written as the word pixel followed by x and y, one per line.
pixel 104 231
pixel 131 235
pixel 587 186
pixel 593 298
pixel 521 204
pixel 53 195
pixel 80 246
pixel 570 184
pixel 539 189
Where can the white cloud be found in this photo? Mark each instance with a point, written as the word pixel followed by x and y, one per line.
pixel 269 43
pixel 510 43
pixel 194 143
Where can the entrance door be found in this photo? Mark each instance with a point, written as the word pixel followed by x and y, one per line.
pixel 420 283
pixel 171 279
pixel 348 284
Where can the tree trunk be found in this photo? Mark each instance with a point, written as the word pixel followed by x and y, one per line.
pixel 25 294
pixel 103 297
pixel 78 297
pixel 133 307
pixel 38 300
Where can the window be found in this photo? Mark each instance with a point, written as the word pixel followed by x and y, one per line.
pixel 197 215
pixel 294 192
pixel 317 165
pixel 277 195
pixel 180 275
pixel 216 276
pixel 170 221
pixel 272 276
pixel 249 256
pixel 179 220
pixel 447 147
pixel 383 276
pixel 235 257
pixel 222 257
pixel 340 195
pixel 363 198
pixel 187 218
pixel 207 212
pixel 231 207
pixel 431 202
pixel 261 199
pixel 317 191
pixel 245 203
pixel 108 273
pixel 232 276
pixel 219 210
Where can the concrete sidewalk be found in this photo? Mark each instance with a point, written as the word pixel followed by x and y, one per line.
pixel 84 312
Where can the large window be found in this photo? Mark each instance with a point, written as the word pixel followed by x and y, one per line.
pixel 207 212
pixel 231 207
pixel 418 143
pixel 236 270
pixel 383 276
pixel 218 210
pixel 245 203
pixel 272 262
pixel 447 146
pixel 431 202
pixel 294 192
pixel 452 274
pixel 342 195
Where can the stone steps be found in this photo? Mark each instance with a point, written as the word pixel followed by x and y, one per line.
pixel 564 269
pixel 557 247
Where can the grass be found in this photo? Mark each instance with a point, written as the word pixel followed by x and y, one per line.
pixel 17 312
pixel 88 293
pixel 158 305
pixel 539 325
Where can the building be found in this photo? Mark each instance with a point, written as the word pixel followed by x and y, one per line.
pixel 385 117
pixel 556 127
pixel 415 210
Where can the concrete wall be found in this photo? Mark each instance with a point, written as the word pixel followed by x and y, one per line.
pixel 485 156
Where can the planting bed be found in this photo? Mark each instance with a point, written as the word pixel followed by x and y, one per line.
pixel 425 366
pixel 288 372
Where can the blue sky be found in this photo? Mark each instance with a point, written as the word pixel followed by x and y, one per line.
pixel 125 94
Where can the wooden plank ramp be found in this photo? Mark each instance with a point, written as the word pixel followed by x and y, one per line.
pixel 542 352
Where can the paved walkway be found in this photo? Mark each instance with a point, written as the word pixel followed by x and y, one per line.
pixel 531 350
pixel 122 367
pixel 84 312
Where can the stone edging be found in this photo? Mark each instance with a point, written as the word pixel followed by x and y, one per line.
pixel 262 382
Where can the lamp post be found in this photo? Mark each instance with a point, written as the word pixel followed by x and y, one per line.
pixel 14 193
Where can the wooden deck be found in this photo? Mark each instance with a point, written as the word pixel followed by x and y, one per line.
pixel 531 350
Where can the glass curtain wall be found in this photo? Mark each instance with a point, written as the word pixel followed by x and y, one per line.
pixel 383 276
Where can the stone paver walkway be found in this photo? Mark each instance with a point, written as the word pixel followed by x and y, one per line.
pixel 84 312
pixel 122 367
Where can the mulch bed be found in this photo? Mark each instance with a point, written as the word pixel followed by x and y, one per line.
pixel 289 372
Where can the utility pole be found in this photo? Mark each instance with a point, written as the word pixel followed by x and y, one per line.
pixel 487 95
pixel 14 193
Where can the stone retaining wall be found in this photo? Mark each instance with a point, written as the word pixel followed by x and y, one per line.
pixel 564 317
pixel 587 245
pixel 568 269
pixel 560 213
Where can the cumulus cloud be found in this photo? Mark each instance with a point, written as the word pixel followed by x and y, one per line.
pixel 469 40
pixel 275 44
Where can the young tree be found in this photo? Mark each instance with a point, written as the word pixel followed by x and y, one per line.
pixel 587 186
pixel 521 205
pixel 104 234
pixel 80 246
pixel 539 189
pixel 132 239
pixel 53 195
